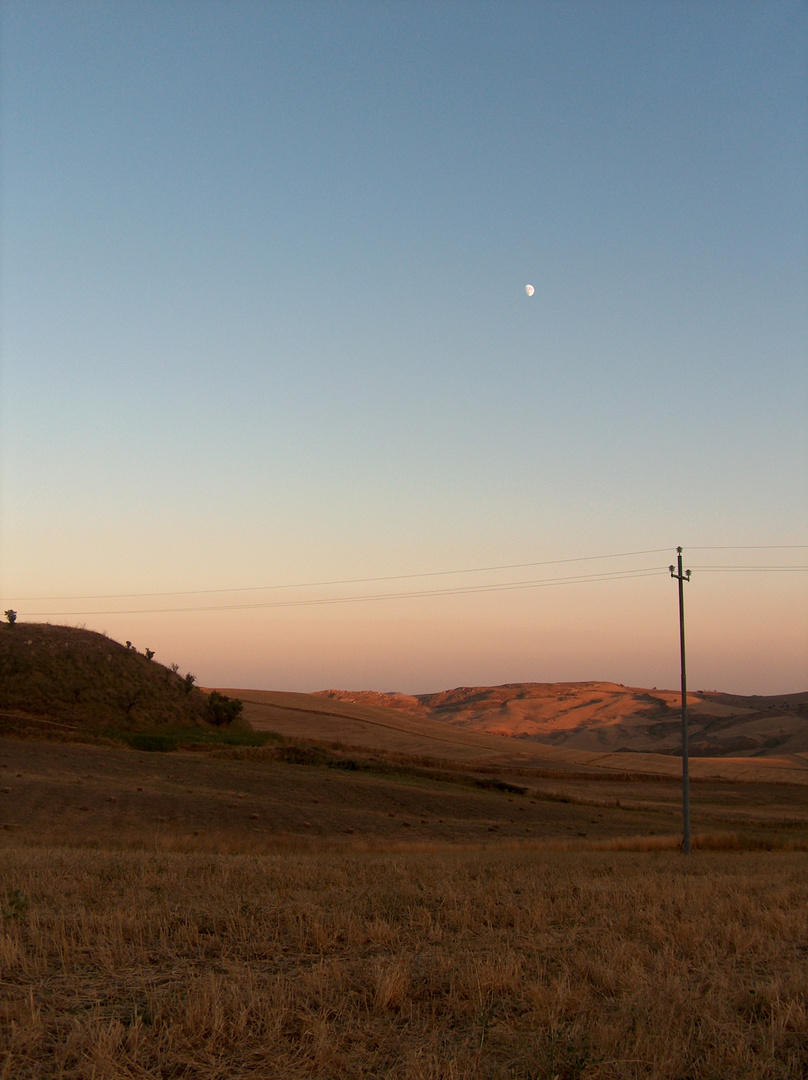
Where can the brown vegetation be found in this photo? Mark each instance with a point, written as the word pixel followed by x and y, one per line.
pixel 61 682
pixel 451 964
pixel 372 893
pixel 106 796
pixel 81 681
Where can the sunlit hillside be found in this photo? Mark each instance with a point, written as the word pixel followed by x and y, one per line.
pixel 604 716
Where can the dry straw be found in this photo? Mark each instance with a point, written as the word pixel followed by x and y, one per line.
pixel 424 966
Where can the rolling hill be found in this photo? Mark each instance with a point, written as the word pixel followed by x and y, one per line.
pixel 363 720
pixel 363 767
pixel 73 682
pixel 609 717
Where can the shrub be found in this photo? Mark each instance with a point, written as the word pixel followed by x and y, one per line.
pixel 222 709
pixel 152 743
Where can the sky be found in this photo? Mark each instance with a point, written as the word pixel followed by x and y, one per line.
pixel 274 401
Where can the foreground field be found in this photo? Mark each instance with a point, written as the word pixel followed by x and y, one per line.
pixel 450 964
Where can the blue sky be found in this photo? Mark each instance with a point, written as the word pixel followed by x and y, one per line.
pixel 264 324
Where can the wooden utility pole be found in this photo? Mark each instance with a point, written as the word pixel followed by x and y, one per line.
pixel 676 572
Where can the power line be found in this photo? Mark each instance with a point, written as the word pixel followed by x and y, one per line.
pixel 341 581
pixel 755 569
pixel 616 575
pixel 749 547
pixel 604 575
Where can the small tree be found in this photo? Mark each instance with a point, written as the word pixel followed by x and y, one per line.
pixel 222 709
pixel 11 616
pixel 188 682
pixel 148 653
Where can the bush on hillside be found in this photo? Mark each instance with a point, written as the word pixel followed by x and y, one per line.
pixel 222 709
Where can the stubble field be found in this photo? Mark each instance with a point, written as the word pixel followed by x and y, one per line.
pixel 450 963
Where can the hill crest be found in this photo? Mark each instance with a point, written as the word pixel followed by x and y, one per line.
pixel 610 717
pixel 78 680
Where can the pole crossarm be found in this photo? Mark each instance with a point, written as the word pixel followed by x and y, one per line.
pixel 678 575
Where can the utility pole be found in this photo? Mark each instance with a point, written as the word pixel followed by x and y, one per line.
pixel 676 572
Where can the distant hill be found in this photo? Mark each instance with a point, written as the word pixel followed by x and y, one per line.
pixel 62 679
pixel 69 683
pixel 609 717
pixel 365 721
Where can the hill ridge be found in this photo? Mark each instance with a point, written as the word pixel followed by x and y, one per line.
pixel 610 716
pixel 85 681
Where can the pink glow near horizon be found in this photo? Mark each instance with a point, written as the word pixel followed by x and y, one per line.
pixel 740 640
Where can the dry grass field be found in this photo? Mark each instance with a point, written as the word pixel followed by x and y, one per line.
pixel 444 964
pixel 254 799
pixel 354 891
pixel 303 911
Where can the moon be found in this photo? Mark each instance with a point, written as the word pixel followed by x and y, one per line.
pixel 529 290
